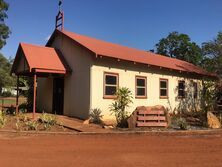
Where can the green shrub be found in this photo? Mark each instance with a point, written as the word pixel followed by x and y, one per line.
pixel 2 119
pixel 182 124
pixel 21 121
pixel 31 125
pixel 118 107
pixel 95 116
pixel 6 94
pixel 208 95
pixel 22 117
pixel 11 110
pixel 18 125
pixel 23 107
pixel 48 120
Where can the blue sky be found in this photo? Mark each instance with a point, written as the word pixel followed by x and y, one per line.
pixel 134 23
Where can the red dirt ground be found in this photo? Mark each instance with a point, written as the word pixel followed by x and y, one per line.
pixel 110 150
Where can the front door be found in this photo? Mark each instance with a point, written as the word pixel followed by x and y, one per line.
pixel 58 96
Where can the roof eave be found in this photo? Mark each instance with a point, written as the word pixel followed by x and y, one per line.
pixel 20 49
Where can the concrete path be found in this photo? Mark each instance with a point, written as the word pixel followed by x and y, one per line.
pixel 78 125
pixel 75 124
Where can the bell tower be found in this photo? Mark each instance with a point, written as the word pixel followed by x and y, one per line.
pixel 59 24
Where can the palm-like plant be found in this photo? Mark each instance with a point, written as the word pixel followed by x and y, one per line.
pixel 118 107
pixel 96 116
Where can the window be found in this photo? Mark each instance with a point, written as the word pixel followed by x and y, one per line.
pixel 195 89
pixel 163 88
pixel 181 89
pixel 141 87
pixel 110 84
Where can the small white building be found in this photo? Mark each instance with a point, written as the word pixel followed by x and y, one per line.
pixel 76 73
pixel 13 90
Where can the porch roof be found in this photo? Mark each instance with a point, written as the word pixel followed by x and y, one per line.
pixel 39 59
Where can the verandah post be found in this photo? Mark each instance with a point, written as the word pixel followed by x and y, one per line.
pixel 34 97
pixel 17 94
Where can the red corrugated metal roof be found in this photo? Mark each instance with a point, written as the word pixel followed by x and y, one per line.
pixel 41 59
pixel 108 49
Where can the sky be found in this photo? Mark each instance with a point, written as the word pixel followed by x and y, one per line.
pixel 133 23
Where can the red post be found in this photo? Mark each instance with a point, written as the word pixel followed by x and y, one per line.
pixel 34 97
pixel 17 94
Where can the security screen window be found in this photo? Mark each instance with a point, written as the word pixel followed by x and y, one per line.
pixel 181 89
pixel 195 90
pixel 163 88
pixel 110 84
pixel 141 87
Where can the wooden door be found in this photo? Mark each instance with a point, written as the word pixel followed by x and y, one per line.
pixel 58 96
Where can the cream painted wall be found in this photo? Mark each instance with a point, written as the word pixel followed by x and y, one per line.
pixel 127 72
pixel 83 88
pixel 76 84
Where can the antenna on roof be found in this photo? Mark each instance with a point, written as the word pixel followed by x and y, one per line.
pixel 60 18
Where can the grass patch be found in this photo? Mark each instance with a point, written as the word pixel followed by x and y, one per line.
pixel 11 100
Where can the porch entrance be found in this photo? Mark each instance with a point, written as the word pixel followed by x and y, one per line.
pixel 37 61
pixel 58 96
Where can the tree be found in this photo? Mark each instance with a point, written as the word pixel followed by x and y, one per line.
pixel 5 65
pixel 5 79
pixel 179 46
pixel 212 52
pixel 4 29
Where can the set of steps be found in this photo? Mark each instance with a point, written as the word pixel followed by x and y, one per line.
pixel 151 117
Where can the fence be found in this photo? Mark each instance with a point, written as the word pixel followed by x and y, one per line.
pixel 10 102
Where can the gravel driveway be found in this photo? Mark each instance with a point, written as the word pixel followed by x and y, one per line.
pixel 111 150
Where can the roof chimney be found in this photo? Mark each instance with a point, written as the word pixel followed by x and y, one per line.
pixel 60 18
